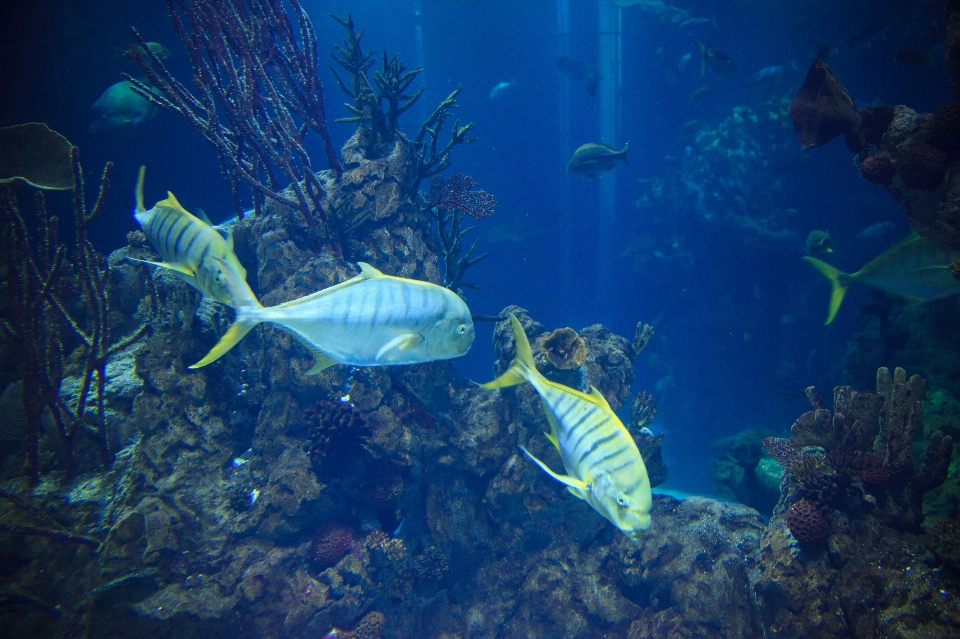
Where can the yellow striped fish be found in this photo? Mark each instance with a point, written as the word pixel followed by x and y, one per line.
pixel 370 320
pixel 912 268
pixel 193 250
pixel 604 466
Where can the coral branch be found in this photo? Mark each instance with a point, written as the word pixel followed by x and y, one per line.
pixel 451 201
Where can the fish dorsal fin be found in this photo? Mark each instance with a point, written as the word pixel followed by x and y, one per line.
pixel 172 202
pixel 601 400
pixel 368 272
pixel 200 214
pixel 552 420
pixel 179 268
pixel 402 343
pixel 567 480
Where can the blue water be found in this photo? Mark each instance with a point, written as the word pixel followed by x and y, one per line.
pixel 733 310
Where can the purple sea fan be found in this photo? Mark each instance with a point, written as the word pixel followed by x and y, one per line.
pixel 459 193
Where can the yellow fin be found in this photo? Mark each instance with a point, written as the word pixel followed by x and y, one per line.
pixel 567 480
pixel 322 362
pixel 522 367
pixel 233 335
pixel 368 271
pixel 172 202
pixel 179 268
pixel 402 343
pixel 838 279
pixel 597 395
pixel 574 492
pixel 139 191
pixel 552 420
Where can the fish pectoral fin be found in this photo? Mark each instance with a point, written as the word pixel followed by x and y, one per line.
pixel 173 267
pixel 402 343
pixel 567 480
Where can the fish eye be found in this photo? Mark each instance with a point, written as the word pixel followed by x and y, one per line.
pixel 622 502
pixel 462 329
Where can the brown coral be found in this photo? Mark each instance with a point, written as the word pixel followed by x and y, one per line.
pixel 807 522
pixel 564 348
pixel 782 451
pixel 431 565
pixel 923 167
pixel 337 432
pixel 331 544
pixel 371 626
pixel 878 169
pixel 823 109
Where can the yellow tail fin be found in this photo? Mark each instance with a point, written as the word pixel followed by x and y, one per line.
pixel 839 280
pixel 234 334
pixel 522 367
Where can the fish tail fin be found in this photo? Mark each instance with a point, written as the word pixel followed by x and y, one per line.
pixel 838 279
pixel 623 153
pixel 523 367
pixel 246 320
pixel 139 190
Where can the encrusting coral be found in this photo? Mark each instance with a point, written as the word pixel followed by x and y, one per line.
pixel 564 348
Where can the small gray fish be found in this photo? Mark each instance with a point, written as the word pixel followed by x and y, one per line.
pixel 592 159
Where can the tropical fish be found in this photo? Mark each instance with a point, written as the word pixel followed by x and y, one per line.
pixel 500 89
pixel 684 61
pixel 604 466
pixel 819 242
pixel 913 268
pixel 700 93
pixel 866 36
pixel 193 250
pixel 715 60
pixel 592 159
pixel 370 320
pixel 765 75
pixel 119 106
pixel 583 72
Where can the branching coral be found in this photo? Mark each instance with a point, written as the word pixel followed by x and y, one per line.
pixel 451 201
pixel 260 94
pixel 377 111
pixel 44 315
pixel 564 348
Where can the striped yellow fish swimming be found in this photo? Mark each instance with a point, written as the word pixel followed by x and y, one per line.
pixel 370 320
pixel 193 250
pixel 604 466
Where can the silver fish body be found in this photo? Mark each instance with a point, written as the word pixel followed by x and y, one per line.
pixel 604 466
pixel 370 320
pixel 193 250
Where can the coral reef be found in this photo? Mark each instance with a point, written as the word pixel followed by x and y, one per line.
pixel 337 433
pixel 807 522
pixel 331 544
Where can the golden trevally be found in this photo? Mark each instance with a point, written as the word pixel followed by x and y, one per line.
pixel 604 464
pixel 913 268
pixel 193 250
pixel 370 320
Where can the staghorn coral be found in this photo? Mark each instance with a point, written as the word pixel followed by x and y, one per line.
pixel 823 109
pixel 878 169
pixel 807 522
pixel 922 167
pixel 564 348
pixel 330 544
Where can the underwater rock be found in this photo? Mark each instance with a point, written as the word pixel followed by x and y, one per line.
pixel 922 167
pixel 823 109
pixel 878 169
pixel 737 473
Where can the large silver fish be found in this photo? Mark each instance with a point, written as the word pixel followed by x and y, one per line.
pixel 370 320
pixel 912 268
pixel 193 250
pixel 603 463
